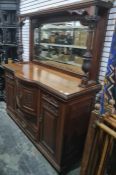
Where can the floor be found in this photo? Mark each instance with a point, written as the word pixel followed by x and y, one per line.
pixel 18 156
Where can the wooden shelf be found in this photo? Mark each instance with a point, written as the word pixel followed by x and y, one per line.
pixel 67 28
pixel 58 61
pixel 62 45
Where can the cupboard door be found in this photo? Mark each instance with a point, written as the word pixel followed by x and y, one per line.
pixel 29 100
pixel 10 96
pixel 10 91
pixel 49 121
pixel 26 97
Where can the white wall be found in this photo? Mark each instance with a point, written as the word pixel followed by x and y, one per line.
pixel 25 40
pixel 107 42
pixel 27 6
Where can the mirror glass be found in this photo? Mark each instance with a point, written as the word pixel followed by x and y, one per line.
pixel 61 42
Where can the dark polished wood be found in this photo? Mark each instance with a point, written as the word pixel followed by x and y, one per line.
pixel 46 101
pixel 51 109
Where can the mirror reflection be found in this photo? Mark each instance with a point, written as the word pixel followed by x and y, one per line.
pixel 63 42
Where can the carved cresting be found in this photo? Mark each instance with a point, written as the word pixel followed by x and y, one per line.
pixel 87 16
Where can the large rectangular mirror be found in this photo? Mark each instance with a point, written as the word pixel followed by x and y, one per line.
pixel 61 42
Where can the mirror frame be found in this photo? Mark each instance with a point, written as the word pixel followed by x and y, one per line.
pixel 91 13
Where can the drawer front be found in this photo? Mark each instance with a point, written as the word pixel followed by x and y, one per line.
pixel 51 100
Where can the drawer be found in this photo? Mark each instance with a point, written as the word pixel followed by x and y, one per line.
pixel 51 100
pixel 50 104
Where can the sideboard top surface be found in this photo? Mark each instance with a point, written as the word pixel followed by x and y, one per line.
pixel 62 84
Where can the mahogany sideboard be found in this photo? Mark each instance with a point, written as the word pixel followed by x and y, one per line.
pixel 52 110
pixel 52 96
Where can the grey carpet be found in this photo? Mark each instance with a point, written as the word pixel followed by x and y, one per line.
pixel 18 156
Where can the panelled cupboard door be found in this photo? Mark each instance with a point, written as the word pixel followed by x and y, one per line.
pixel 48 124
pixel 26 97
pixel 10 96
pixel 29 100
